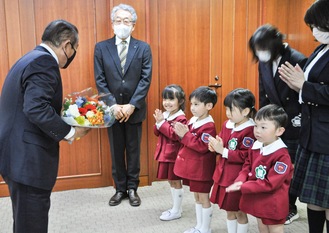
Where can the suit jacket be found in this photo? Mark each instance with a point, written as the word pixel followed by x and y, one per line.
pixel 130 87
pixel 31 126
pixel 315 108
pixel 275 91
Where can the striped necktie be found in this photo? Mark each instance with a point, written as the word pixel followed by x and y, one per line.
pixel 123 55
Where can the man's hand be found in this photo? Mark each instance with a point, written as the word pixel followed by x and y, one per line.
pixel 127 110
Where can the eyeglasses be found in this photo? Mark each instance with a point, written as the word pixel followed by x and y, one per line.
pixel 125 21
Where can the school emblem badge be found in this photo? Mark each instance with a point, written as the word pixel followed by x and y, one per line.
pixel 247 141
pixel 232 144
pixel 280 167
pixel 260 172
pixel 205 137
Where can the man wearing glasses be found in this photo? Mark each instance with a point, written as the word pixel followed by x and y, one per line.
pixel 123 67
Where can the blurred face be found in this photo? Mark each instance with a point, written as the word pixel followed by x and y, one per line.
pixel 199 109
pixel 236 116
pixel 266 132
pixel 171 105
pixel 263 55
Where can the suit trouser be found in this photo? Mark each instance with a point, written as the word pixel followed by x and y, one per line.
pixel 125 139
pixel 30 207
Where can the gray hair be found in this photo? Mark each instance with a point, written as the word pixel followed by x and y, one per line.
pixel 124 7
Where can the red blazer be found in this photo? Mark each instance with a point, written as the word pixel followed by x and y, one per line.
pixel 237 143
pixel 194 160
pixel 168 142
pixel 266 180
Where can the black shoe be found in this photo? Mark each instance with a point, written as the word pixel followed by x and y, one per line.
pixel 117 198
pixel 134 199
pixel 292 216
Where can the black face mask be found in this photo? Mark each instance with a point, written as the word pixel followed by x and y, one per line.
pixel 69 60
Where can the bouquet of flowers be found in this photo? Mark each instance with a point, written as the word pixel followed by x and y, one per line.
pixel 88 109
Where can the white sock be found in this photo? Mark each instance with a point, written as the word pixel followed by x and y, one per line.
pixel 178 198
pixel 206 219
pixel 243 228
pixel 198 213
pixel 172 198
pixel 232 226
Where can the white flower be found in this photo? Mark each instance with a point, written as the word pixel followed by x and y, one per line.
pixel 90 114
pixel 73 111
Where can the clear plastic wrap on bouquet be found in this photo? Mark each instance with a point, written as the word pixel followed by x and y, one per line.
pixel 89 109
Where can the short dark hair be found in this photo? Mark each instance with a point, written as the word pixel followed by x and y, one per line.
pixel 317 15
pixel 173 91
pixel 242 99
pixel 273 112
pixel 267 37
pixel 60 30
pixel 205 95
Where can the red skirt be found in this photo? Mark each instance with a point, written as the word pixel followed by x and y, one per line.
pixel 166 171
pixel 226 201
pixel 199 186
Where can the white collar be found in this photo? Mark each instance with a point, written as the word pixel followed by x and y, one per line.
pixel 118 40
pixel 177 114
pixel 269 149
pixel 50 51
pixel 231 125
pixel 197 124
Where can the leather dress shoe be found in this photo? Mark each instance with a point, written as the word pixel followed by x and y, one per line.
pixel 117 198
pixel 134 199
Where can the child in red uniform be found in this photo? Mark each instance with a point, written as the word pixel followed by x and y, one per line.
pixel 265 177
pixel 195 163
pixel 232 144
pixel 168 145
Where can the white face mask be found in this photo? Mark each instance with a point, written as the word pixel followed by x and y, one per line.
pixel 122 31
pixel 263 56
pixel 322 37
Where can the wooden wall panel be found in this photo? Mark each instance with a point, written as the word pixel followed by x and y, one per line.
pixel 299 35
pixel 154 96
pixel 184 46
pixel 4 63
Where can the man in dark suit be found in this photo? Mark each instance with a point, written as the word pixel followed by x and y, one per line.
pixel 123 67
pixel 31 126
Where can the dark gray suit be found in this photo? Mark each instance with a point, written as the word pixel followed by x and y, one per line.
pixel 128 88
pixel 31 128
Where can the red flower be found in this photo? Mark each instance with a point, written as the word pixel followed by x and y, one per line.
pixel 83 111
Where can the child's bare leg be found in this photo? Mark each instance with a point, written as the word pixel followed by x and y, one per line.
pixel 203 198
pixel 262 227
pixel 177 184
pixel 276 228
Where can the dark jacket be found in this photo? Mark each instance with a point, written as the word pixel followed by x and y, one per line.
pixel 315 109
pixel 31 126
pixel 132 86
pixel 275 91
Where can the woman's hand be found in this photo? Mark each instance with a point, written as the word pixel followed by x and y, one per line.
pixel 293 76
